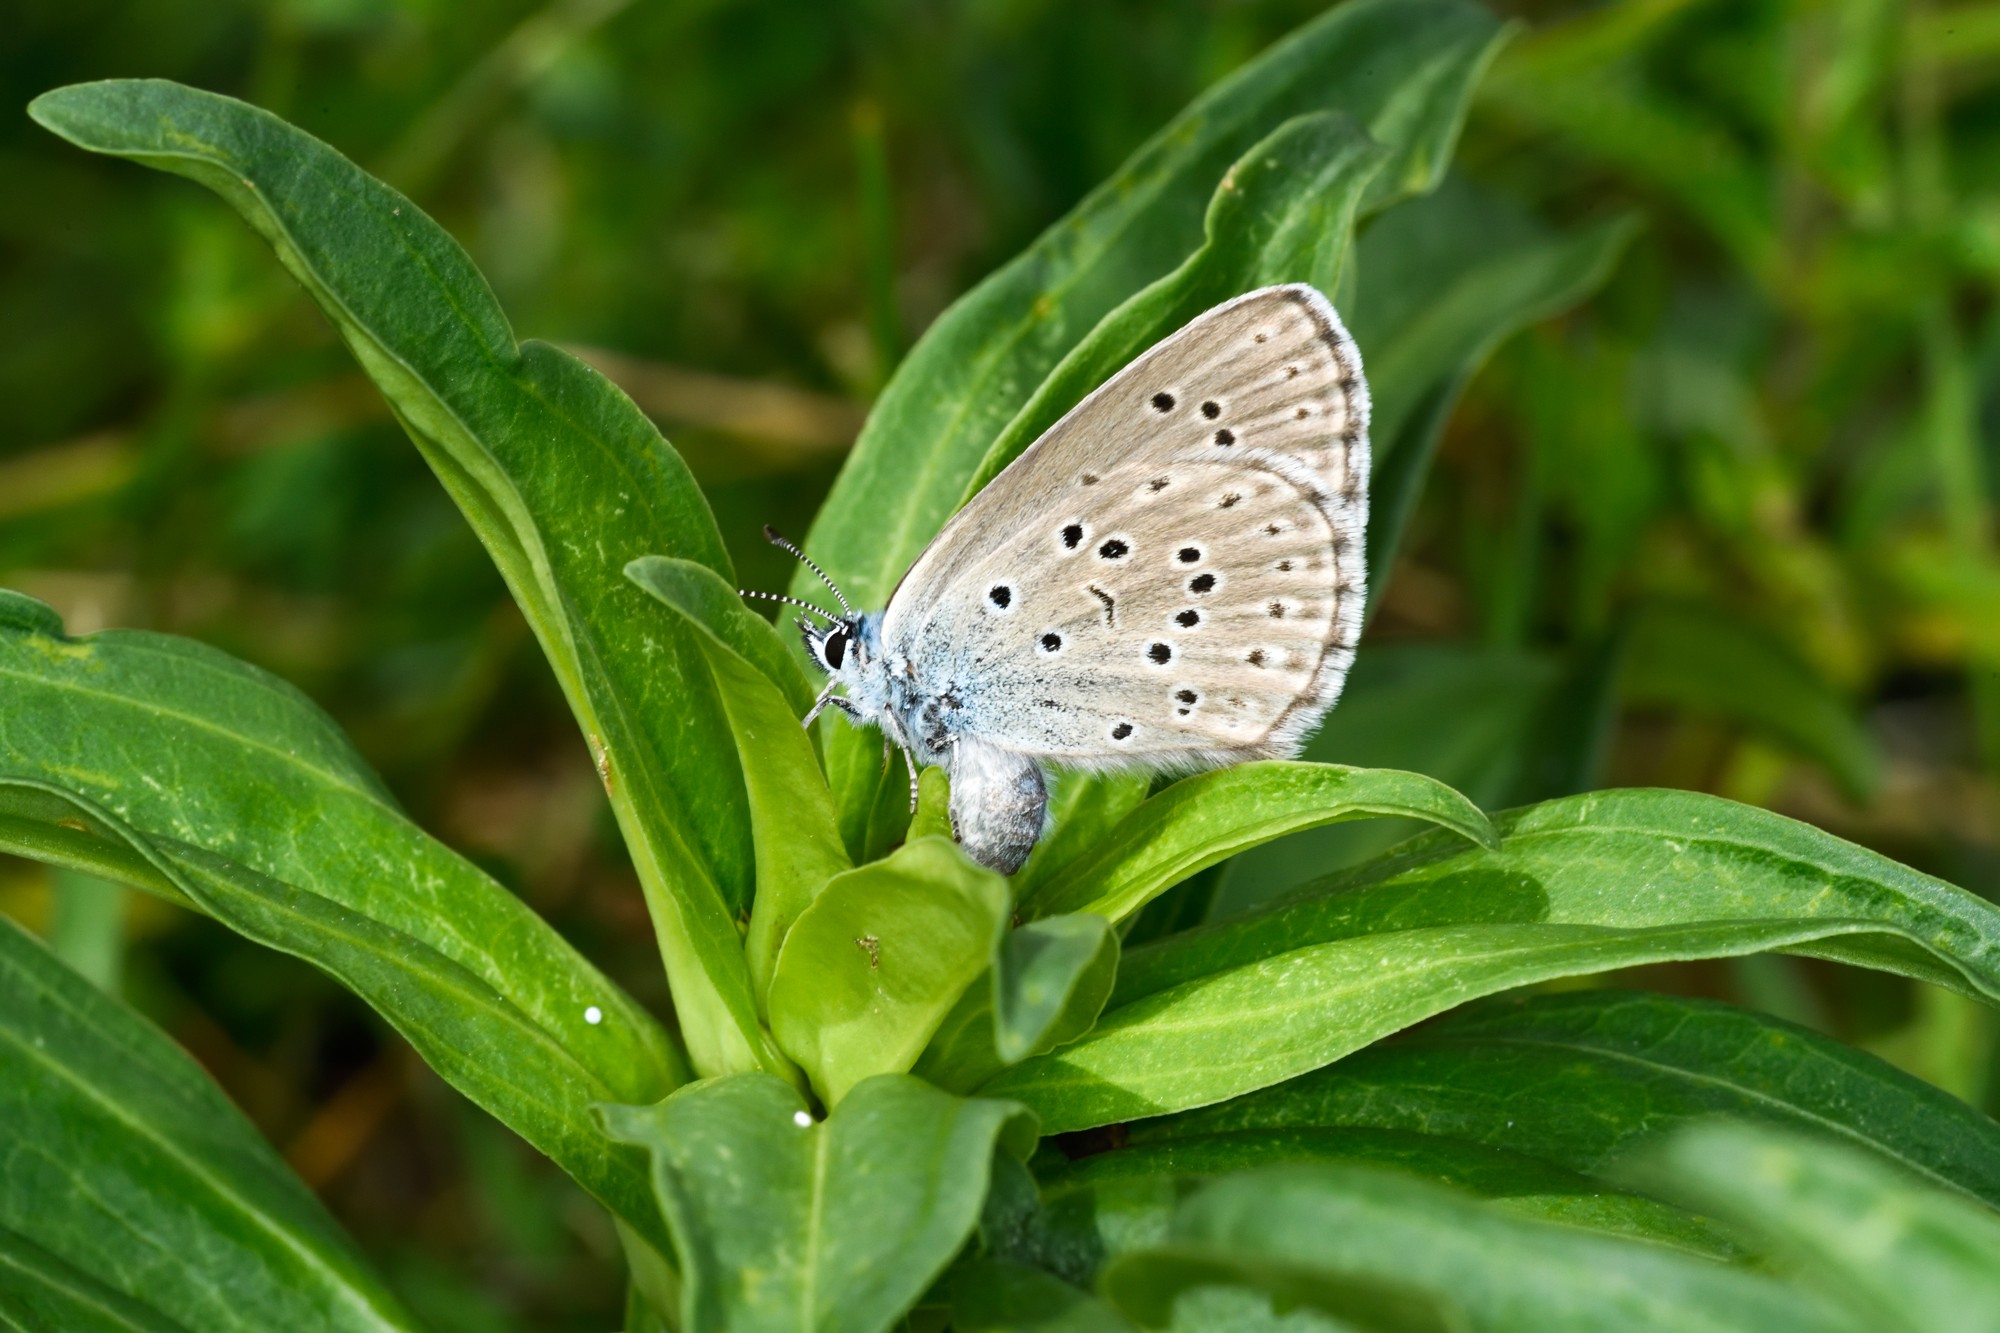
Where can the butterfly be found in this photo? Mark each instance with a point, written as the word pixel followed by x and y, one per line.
pixel 1171 578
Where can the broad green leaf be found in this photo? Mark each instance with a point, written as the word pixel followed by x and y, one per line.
pixel 1697 657
pixel 1283 213
pixel 1392 1252
pixel 472 1035
pixel 1048 987
pixel 792 822
pixel 1198 821
pixel 1902 1254
pixel 708 603
pixel 157 762
pixel 1402 69
pixel 998 1296
pixel 1439 283
pixel 134 1195
pixel 39 1293
pixel 1580 1078
pixel 1130 1179
pixel 563 479
pixel 782 1223
pixel 1581 885
pixel 1054 977
pixel 872 967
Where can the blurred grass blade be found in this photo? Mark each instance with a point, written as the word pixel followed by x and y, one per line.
pixel 762 690
pixel 1562 82
pixel 784 1224
pixel 1401 69
pixel 872 967
pixel 1048 987
pixel 563 479
pixel 1903 1255
pixel 1198 821
pixel 1581 885
pixel 161 763
pixel 1699 659
pixel 128 1172
pixel 87 927
pixel 1440 282
pixel 1580 1079
pixel 1391 1252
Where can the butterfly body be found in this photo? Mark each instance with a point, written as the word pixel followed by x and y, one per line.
pixel 1171 578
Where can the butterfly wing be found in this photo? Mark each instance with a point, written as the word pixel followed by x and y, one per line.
pixel 1173 574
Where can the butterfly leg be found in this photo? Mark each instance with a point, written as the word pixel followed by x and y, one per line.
pixel 828 699
pixel 910 762
pixel 825 698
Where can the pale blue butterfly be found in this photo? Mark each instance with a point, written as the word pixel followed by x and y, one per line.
pixel 1171 578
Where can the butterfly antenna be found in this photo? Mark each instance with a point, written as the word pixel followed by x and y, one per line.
pixel 772 536
pixel 789 601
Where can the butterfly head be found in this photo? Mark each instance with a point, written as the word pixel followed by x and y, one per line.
pixel 835 648
pixel 846 647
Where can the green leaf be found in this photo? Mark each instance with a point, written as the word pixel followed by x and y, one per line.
pixel 708 604
pixel 1048 987
pixel 932 818
pixel 1054 977
pixel 1903 1255
pixel 1440 282
pixel 158 762
pixel 997 1296
pixel 135 1196
pixel 1580 885
pixel 1199 821
pixel 1402 69
pixel 39 1293
pixel 563 479
pixel 1579 1079
pixel 1392 1252
pixel 1698 658
pixel 784 1224
pixel 1127 1180
pixel 872 967
pixel 792 821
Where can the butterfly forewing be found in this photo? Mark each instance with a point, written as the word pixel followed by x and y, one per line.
pixel 1172 575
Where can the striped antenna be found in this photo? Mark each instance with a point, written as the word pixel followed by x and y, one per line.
pixel 772 536
pixel 789 601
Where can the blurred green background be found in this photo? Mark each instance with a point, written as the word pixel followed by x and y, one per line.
pixel 1725 525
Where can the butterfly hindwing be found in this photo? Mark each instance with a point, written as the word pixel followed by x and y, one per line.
pixel 1172 575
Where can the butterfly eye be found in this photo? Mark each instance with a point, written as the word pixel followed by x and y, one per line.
pixel 834 650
